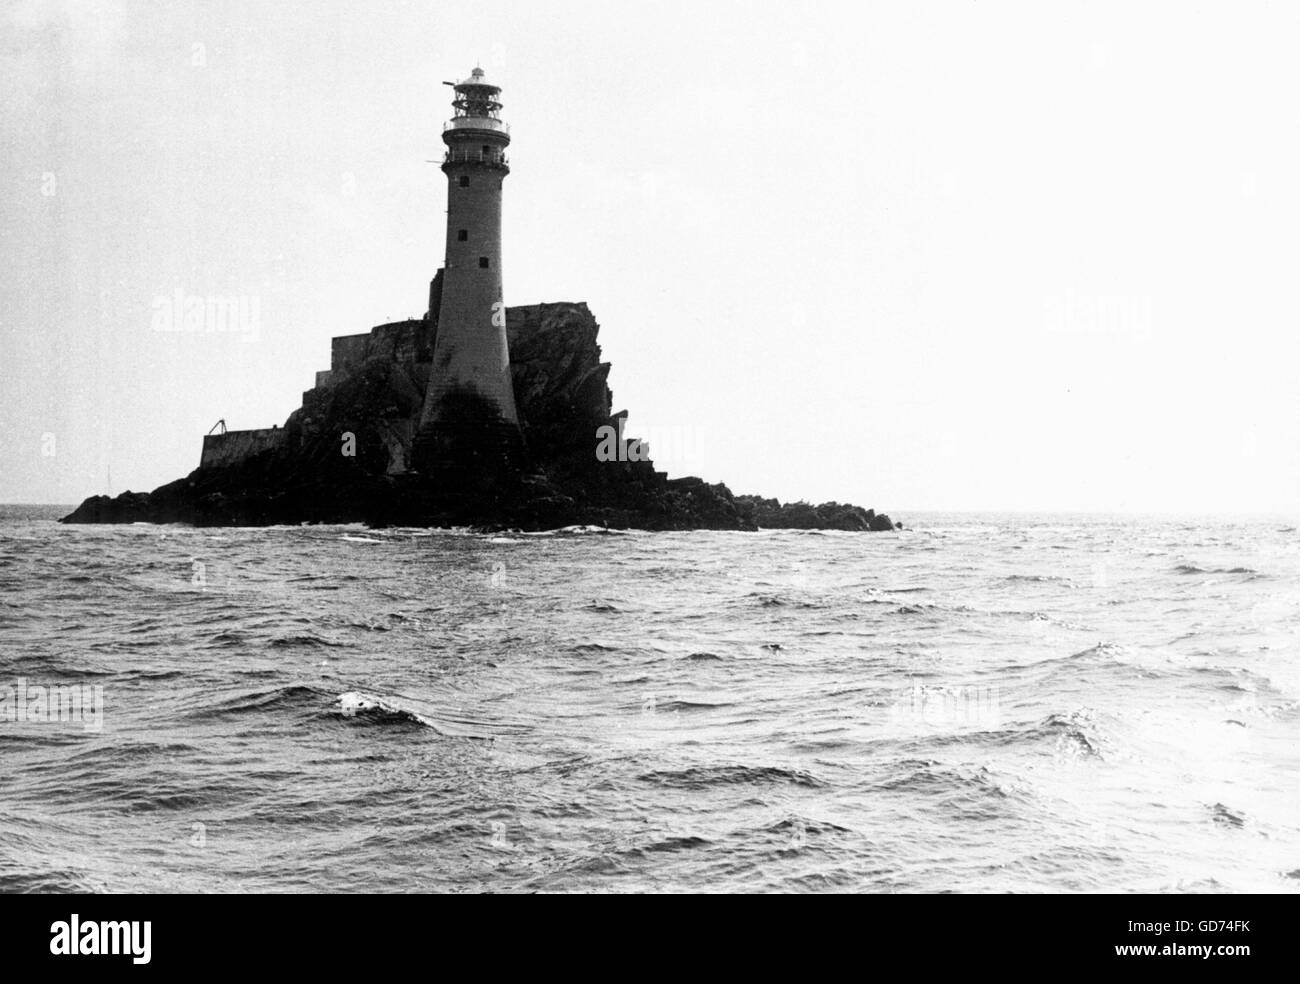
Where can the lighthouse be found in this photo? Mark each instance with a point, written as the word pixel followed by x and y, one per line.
pixel 468 420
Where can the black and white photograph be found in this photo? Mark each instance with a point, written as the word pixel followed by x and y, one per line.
pixel 650 448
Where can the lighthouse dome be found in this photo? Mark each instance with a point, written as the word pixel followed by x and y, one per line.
pixel 478 79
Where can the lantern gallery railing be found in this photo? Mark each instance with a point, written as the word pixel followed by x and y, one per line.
pixel 490 159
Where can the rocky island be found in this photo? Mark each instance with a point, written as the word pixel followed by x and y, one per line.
pixel 369 401
pixel 474 415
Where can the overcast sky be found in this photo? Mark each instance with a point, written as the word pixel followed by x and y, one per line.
pixel 969 255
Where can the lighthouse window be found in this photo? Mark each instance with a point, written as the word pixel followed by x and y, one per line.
pixel 487 151
pixel 483 262
pixel 462 235
pixel 464 180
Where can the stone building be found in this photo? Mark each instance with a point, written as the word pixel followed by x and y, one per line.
pixel 457 358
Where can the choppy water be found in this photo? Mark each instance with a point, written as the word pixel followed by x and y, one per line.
pixel 979 704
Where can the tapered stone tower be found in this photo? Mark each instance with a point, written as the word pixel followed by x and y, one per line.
pixel 468 422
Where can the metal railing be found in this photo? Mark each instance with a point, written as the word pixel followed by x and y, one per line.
pixel 475 157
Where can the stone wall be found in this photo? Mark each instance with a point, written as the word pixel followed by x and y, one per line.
pixel 405 342
pixel 347 352
pixel 232 447
pixel 400 341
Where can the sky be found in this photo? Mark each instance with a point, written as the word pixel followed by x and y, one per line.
pixel 951 256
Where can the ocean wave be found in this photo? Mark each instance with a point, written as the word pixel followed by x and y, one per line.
pixel 931 778
pixel 280 703
pixel 708 777
pixel 50 881
pixel 1073 735
pixel 666 845
pixel 805 825
pixel 595 647
pixel 260 701
pixel 1226 817
pixel 301 639
pixel 448 720
pixel 570 531
pixel 1193 569
pixel 670 706
pixel 380 710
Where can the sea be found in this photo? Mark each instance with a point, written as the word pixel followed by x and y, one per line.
pixel 979 703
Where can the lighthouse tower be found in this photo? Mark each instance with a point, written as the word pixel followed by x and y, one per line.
pixel 469 420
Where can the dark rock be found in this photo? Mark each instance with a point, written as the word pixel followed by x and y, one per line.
pixel 771 514
pixel 556 478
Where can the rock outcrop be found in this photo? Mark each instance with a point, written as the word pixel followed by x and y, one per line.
pixel 345 454
pixel 771 514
